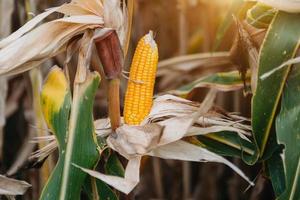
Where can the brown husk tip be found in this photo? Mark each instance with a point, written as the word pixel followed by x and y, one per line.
pixel 110 53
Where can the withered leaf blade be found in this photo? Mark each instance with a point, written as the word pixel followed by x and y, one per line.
pixel 181 150
pixel 116 19
pixel 126 184
pixel 53 36
pixel 9 186
pixel 27 27
pixel 244 53
pixel 84 57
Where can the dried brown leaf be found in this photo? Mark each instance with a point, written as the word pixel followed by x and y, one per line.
pixel 181 150
pixel 52 36
pixel 126 184
pixel 9 186
pixel 114 18
pixel 244 53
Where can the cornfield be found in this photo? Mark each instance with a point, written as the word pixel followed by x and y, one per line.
pixel 149 99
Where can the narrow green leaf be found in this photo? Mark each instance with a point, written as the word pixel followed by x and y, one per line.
pixel 227 81
pixel 280 44
pixel 75 133
pixel 276 173
pixel 227 144
pixel 288 133
pixel 81 146
pixel 103 190
pixel 113 166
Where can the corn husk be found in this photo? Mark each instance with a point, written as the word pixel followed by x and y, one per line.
pixel 162 139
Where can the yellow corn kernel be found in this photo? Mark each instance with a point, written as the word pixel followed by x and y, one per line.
pixel 139 94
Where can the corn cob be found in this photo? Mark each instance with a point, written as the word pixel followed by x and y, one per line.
pixel 139 94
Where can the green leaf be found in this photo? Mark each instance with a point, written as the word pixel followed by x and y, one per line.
pixel 74 132
pixel 56 109
pixel 104 192
pixel 276 172
pixel 288 133
pixel 281 43
pixel 227 144
pixel 227 81
pixel 113 166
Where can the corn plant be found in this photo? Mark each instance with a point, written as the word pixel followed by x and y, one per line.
pixel 100 158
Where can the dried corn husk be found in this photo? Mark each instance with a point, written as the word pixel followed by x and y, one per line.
pixel 163 139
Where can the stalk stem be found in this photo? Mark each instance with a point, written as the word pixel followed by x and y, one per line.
pixel 114 103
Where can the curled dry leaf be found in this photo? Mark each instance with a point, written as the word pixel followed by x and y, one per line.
pixel 12 187
pixel 53 37
pixel 162 137
pixel 244 53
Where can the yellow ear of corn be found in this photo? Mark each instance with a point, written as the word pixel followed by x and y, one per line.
pixel 139 94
